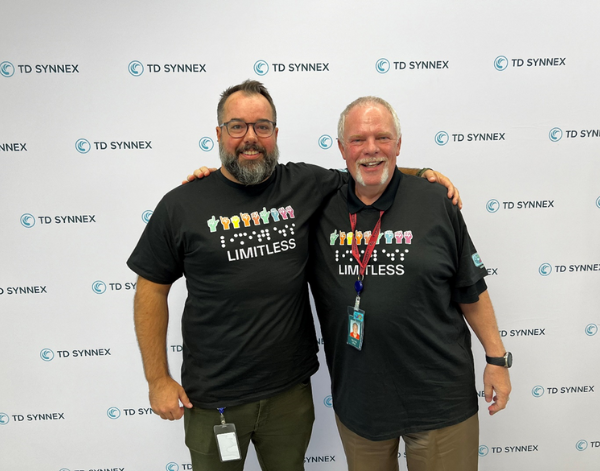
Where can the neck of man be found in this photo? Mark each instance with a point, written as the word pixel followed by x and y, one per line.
pixel 369 194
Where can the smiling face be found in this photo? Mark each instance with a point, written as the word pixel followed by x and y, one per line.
pixel 249 159
pixel 370 147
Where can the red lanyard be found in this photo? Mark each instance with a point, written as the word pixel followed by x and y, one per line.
pixel 370 246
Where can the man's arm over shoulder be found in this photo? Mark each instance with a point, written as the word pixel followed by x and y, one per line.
pixel 151 318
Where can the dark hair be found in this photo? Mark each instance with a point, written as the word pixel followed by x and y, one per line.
pixel 249 87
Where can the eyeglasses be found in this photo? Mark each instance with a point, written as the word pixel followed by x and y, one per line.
pixel 239 128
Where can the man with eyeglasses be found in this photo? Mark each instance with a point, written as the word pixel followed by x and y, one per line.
pixel 241 238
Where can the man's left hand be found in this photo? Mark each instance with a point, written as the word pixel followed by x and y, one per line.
pixel 496 386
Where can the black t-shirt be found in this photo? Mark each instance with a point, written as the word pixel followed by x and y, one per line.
pixel 247 327
pixel 415 370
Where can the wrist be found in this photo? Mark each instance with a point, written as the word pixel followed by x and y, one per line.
pixel 422 171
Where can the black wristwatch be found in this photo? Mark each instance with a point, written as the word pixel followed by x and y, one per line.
pixel 505 361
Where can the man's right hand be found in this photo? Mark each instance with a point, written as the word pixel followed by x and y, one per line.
pixel 165 395
pixel 199 173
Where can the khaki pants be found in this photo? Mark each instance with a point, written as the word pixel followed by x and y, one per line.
pixel 279 427
pixel 453 448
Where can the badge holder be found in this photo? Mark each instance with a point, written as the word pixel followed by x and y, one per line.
pixel 356 320
pixel 227 441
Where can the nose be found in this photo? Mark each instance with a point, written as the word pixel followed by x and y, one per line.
pixel 250 135
pixel 371 146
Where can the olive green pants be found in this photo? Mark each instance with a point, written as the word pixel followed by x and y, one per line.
pixel 279 427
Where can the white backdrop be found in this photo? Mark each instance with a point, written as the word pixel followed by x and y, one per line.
pixel 81 80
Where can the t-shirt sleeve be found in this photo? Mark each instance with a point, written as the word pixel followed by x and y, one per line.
pixel 158 256
pixel 329 180
pixel 468 282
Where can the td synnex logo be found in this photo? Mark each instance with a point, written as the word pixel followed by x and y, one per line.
pixel 46 354
pixel 493 205
pixel 483 450
pixel 7 69
pixel 383 65
pixel 146 215
pixel 4 418
pixel 99 287
pixel 328 401
pixel 172 466
pixel 546 269
pixel 27 220
pixel 136 68
pixel 502 62
pixel 261 67
pixel 598 202
pixel 556 134
pixel 325 141
pixel 113 413
pixel 442 138
pixel 591 330
pixel 83 146
pixel 538 391
pixel 206 144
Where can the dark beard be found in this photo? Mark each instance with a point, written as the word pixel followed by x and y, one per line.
pixel 251 172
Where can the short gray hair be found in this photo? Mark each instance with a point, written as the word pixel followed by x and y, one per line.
pixel 365 101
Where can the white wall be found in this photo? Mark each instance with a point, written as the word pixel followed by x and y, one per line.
pixel 43 115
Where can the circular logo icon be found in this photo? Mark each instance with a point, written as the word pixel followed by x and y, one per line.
pixel 136 68
pixel 598 202
pixel 146 216
pixel 261 68
pixel 172 467
pixel 83 146
pixel 27 220
pixel 7 69
pixel 99 287
pixel 581 445
pixel 442 138
pixel 382 66
pixel 555 134
pixel 4 418
pixel 500 63
pixel 328 401
pixel 206 144
pixel 492 206
pixel 545 269
pixel 483 450
pixel 325 141
pixel 46 354
pixel 591 330
pixel 113 413
pixel 537 391
pixel 65 469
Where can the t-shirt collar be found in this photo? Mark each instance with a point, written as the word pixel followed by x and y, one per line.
pixel 384 202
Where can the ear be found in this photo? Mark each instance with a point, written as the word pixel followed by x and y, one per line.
pixel 219 131
pixel 398 146
pixel 341 148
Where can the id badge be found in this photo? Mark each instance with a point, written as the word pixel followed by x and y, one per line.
pixel 227 442
pixel 356 327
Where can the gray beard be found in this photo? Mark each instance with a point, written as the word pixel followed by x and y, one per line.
pixel 251 172
pixel 359 179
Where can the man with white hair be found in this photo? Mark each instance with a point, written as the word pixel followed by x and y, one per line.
pixel 392 254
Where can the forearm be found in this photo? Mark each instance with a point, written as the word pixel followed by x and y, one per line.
pixel 151 318
pixel 409 171
pixel 481 318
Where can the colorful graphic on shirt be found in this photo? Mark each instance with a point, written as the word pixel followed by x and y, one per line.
pixel 392 246
pixel 477 260
pixel 242 238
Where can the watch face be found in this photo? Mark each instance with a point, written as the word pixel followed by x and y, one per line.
pixel 508 359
